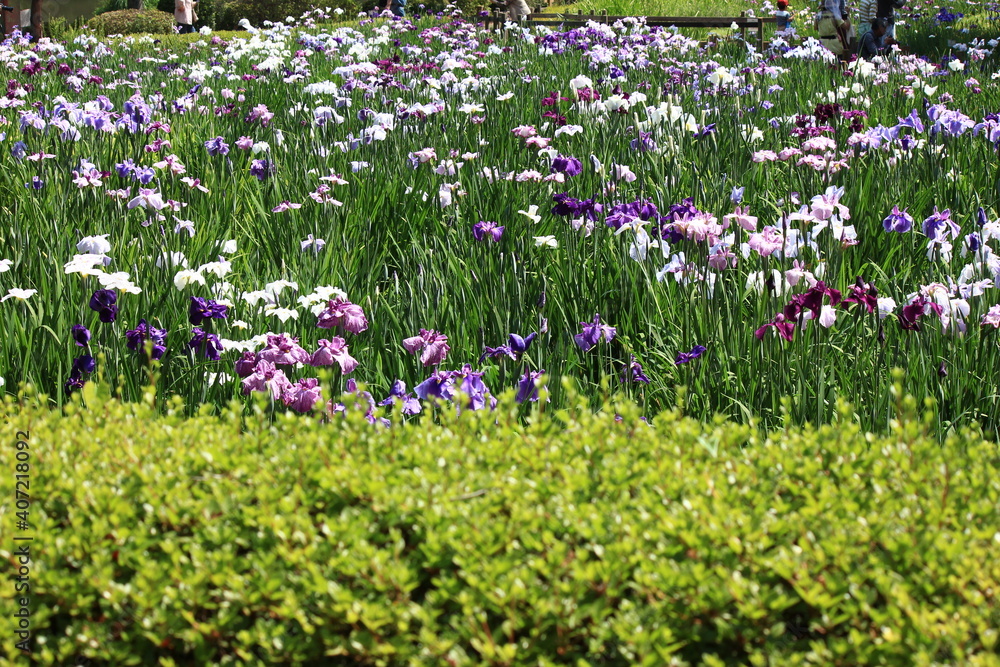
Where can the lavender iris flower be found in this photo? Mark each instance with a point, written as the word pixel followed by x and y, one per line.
pixel 103 301
pixel 939 226
pixel 217 146
pixel 204 309
pixel 592 332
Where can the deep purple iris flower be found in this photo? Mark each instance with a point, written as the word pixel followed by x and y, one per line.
pixel 567 165
pixel 397 393
pixel 898 221
pixel 527 386
pixel 217 146
pixel 644 142
pixel 82 364
pixel 576 208
pixel 136 339
pixel 80 334
pixel 685 357
pixel 207 344
pixel 592 332
pixel 103 301
pixel 485 229
pixel 204 309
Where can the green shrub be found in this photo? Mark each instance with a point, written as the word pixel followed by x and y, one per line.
pixel 229 15
pixel 119 5
pixel 573 538
pixel 132 21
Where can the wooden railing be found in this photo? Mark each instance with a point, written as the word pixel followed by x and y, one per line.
pixel 744 23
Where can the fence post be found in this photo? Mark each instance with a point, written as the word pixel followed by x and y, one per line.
pixel 604 16
pixel 743 27
pixel 760 36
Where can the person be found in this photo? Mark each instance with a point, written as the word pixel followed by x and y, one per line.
pixel 866 12
pixel 875 42
pixel 184 15
pixel 782 17
pixel 834 27
pixel 516 9
pixel 396 7
pixel 886 9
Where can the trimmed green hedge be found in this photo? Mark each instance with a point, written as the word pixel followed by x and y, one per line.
pixel 488 538
pixel 133 21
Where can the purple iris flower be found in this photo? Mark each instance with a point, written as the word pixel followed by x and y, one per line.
pixel 440 384
pixel 737 195
pixel 82 364
pixel 303 395
pixel 246 364
pixel 644 142
pixel 217 146
pixel 981 218
pixel 484 229
pixel 685 357
pixel 204 309
pixel 567 165
pixel 527 386
pixel 898 221
pixel 80 334
pixel 515 347
pixel 19 150
pixel 592 332
pixel 398 393
pixel 144 174
pixel 206 343
pixel 125 169
pixel 36 183
pixel 633 372
pixel 576 208
pixel 939 226
pixel 261 169
pixel 103 301
pixel 136 339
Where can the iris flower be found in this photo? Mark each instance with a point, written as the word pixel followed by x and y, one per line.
pixel 137 337
pixel 203 309
pixel 334 351
pixel 103 301
pixel 527 386
pixel 342 313
pixel 432 346
pixel 898 221
pixel 207 344
pixel 685 357
pixel 485 229
pixel 398 394
pixel 592 333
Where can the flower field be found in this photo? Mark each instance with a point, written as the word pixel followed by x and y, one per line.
pixel 438 212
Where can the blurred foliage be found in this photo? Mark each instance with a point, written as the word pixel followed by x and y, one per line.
pixel 570 537
pixel 133 21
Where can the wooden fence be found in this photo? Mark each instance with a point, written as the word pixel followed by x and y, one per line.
pixel 744 23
